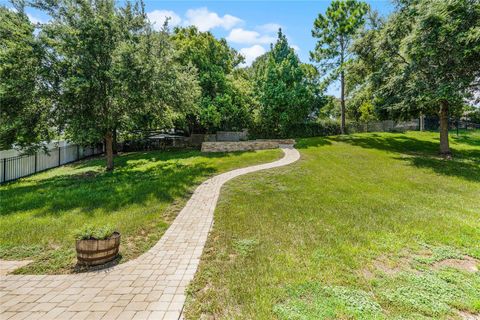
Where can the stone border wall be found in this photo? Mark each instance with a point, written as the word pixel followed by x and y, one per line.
pixel 250 145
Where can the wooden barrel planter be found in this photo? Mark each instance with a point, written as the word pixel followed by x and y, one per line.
pixel 92 252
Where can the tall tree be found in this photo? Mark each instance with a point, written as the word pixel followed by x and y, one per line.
pixel 222 94
pixel 24 109
pixel 430 54
pixel 108 70
pixel 335 31
pixel 286 89
pixel 360 69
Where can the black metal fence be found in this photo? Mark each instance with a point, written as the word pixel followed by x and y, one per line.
pixel 21 166
pixel 432 123
pixel 149 144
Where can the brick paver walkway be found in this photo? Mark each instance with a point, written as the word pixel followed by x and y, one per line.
pixel 149 287
pixel 7 266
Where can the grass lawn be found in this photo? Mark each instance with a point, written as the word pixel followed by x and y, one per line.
pixel 39 214
pixel 367 226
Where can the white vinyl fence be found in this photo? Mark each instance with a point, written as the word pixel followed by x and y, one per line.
pixel 13 168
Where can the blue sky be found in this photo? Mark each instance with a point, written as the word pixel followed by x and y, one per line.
pixel 257 21
pixel 248 26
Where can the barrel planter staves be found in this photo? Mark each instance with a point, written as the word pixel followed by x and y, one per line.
pixel 92 252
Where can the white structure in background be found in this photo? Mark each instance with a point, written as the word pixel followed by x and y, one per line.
pixel 52 145
pixel 14 165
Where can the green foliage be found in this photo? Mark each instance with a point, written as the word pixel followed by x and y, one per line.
pixel 94 232
pixel 108 71
pixel 331 108
pixel 474 115
pixel 432 293
pixel 245 246
pixel 287 90
pixel 314 301
pixel 335 31
pixel 439 254
pixel 320 128
pixel 225 94
pixel 429 53
pixel 424 59
pixel 24 116
pixel 367 112
pixel 359 70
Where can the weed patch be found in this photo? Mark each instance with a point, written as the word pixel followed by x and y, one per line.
pixel 313 301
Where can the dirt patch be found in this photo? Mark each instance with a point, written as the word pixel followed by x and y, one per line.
pixel 387 266
pixel 467 264
pixel 367 274
pixel 392 267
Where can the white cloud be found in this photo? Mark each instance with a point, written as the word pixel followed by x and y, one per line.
pixel 158 17
pixel 33 19
pixel 251 53
pixel 239 35
pixel 269 27
pixel 295 47
pixel 205 20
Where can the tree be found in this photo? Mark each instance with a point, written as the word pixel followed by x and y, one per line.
pixel 335 31
pixel 174 90
pixel 430 54
pixel 286 90
pixel 238 113
pixel 24 111
pixel 110 71
pixel 222 94
pixel 359 70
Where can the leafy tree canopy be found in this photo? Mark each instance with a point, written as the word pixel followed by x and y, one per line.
pixel 225 97
pixel 109 71
pixel 287 90
pixel 361 67
pixel 430 59
pixel 24 109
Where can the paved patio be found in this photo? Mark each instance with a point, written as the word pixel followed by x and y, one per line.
pixel 149 287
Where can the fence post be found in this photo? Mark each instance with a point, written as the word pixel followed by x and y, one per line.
pixel 78 152
pixel 59 156
pixel 35 162
pixel 4 169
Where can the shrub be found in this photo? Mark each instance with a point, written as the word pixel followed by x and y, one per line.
pixel 325 127
pixel 91 232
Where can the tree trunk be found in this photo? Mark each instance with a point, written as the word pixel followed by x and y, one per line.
pixel 342 100
pixel 109 150
pixel 115 145
pixel 444 145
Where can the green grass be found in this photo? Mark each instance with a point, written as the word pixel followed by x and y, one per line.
pixel 351 231
pixel 40 214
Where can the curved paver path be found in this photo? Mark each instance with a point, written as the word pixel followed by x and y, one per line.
pixel 149 287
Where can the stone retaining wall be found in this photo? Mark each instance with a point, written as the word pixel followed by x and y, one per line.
pixel 228 146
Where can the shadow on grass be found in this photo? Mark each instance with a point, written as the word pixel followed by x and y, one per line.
pixel 124 161
pixel 137 178
pixel 421 153
pixel 466 140
pixel 305 143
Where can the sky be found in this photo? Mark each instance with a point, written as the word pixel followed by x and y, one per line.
pixel 248 26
